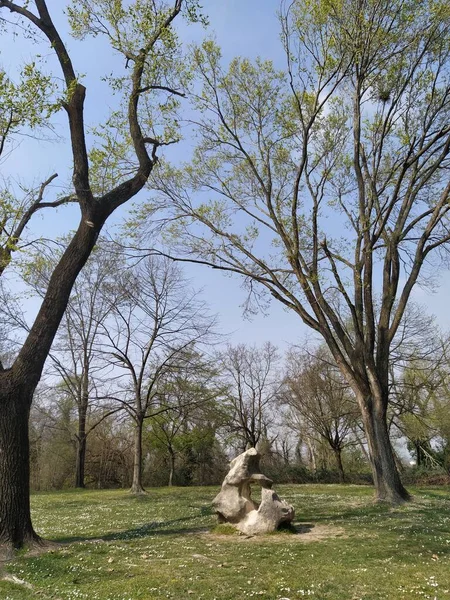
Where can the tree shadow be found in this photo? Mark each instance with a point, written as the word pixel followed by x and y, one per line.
pixel 149 529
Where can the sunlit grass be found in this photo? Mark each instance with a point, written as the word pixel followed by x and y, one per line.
pixel 165 545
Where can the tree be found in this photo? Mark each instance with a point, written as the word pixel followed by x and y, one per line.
pixel 52 425
pixel 253 384
pixel 321 402
pixel 357 129
pixel 420 404
pixel 142 34
pixel 75 356
pixel 53 444
pixel 418 365
pixel 155 323
pixel 187 418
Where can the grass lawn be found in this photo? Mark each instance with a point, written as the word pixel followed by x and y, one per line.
pixel 116 547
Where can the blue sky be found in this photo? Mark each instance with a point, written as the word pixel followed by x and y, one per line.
pixel 242 27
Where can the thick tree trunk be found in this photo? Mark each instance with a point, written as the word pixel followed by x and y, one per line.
pixel 16 529
pixel 136 485
pixel 17 386
pixel 340 466
pixel 388 485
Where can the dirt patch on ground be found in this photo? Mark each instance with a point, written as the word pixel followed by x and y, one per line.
pixel 304 533
pixel 9 553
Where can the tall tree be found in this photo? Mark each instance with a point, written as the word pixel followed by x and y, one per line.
pixel 75 358
pixel 357 129
pixel 75 355
pixel 155 323
pixel 142 35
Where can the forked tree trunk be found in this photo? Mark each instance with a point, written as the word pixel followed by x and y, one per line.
pixel 136 485
pixel 16 528
pixel 388 485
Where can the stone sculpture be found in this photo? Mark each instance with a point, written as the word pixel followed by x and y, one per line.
pixel 234 502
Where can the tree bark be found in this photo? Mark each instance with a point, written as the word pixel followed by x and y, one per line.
pixel 81 435
pixel 388 485
pixel 340 466
pixel 16 529
pixel 312 455
pixel 172 468
pixel 80 460
pixel 418 454
pixel 136 485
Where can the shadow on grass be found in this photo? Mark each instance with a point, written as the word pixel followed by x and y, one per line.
pixel 149 529
pixel 413 529
pixel 166 528
pixel 297 528
pixel 339 515
pixel 419 528
pixel 432 494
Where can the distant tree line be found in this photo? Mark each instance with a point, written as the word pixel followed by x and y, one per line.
pixel 140 390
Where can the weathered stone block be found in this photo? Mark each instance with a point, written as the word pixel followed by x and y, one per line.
pixel 234 503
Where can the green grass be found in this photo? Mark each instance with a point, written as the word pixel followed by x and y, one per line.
pixel 117 547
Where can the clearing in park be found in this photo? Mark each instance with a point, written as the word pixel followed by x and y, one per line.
pixel 168 545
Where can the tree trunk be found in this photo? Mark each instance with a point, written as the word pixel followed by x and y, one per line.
pixel 80 460
pixel 340 466
pixel 16 529
pixel 418 454
pixel 172 468
pixel 136 485
pixel 81 436
pixel 312 455
pixel 17 386
pixel 388 485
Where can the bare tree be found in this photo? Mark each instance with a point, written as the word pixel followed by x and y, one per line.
pixel 75 355
pixel 253 383
pixel 155 323
pixel 357 129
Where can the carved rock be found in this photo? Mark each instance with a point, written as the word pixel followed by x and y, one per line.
pixel 234 503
